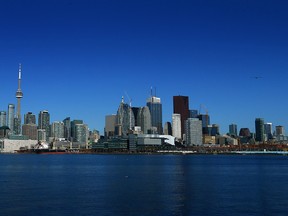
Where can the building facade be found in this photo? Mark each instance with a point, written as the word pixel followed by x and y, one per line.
pixel 193 131
pixel 155 107
pixel 44 122
pixel 10 119
pixel 233 130
pixel 144 119
pixel 3 119
pixel 176 126
pixel 181 106
pixel 259 129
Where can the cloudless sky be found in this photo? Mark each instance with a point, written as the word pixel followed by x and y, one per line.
pixel 79 57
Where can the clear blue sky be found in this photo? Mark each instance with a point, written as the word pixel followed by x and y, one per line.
pixel 79 57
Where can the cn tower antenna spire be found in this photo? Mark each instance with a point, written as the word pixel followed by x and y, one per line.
pixel 20 70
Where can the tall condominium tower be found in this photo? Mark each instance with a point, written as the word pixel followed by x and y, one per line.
pixel 176 125
pixel 19 96
pixel 155 107
pixel 110 123
pixel 57 130
pixel 259 129
pixel 44 122
pixel 181 106
pixel 193 127
pixel 233 130
pixel 2 118
pixel 10 119
pixel 67 128
pixel 125 119
pixel 144 119
pixel 268 130
pixel 29 118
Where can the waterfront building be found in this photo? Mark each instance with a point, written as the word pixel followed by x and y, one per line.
pixel 193 113
pixel 29 118
pixel 41 135
pixel 44 122
pixel 30 130
pixel 81 133
pixel 2 118
pixel 144 119
pixel 181 106
pixel 67 128
pixel 57 130
pixel 4 132
pixel 268 130
pixel 10 119
pixel 280 130
pixel 125 119
pixel 155 107
pixel 259 129
pixel 73 123
pixel 193 132
pixel 110 124
pixel 176 126
pixel 233 130
pixel 168 128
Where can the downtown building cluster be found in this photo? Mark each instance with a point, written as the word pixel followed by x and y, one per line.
pixel 189 127
pixel 14 134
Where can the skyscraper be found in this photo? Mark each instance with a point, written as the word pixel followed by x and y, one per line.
pixel 29 118
pixel 233 130
pixel 19 95
pixel 259 129
pixel 10 119
pixel 125 118
pixel 168 128
pixel 73 123
pixel 268 130
pixel 193 131
pixel 44 122
pixel 176 125
pixel 144 119
pixel 110 123
pixel 67 128
pixel 2 118
pixel 81 133
pixel 155 107
pixel 181 106
pixel 57 130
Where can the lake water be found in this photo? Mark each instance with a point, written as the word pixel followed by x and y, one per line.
pixel 89 184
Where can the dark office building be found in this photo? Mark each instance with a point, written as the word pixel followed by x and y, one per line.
pixel 259 129
pixel 181 106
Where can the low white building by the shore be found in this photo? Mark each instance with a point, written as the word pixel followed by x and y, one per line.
pixel 12 146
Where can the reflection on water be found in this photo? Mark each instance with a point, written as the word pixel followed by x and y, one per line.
pixel 143 185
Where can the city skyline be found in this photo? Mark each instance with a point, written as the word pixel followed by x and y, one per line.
pixel 79 58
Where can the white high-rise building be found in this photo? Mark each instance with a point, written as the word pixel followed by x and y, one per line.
pixel 193 131
pixel 176 125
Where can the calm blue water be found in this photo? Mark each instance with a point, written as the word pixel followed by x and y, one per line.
pixel 143 185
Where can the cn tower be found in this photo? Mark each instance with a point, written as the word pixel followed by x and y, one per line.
pixel 19 94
